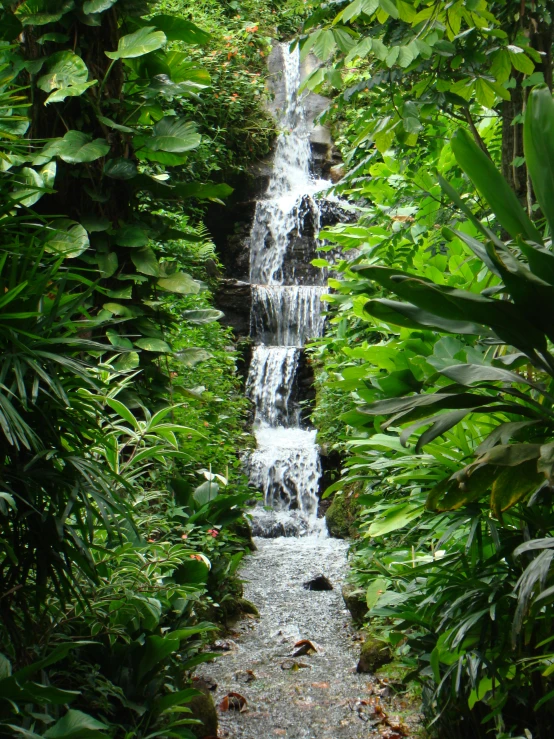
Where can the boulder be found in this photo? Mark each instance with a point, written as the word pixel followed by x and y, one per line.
pixel 320 582
pixel 341 516
pixel 355 601
pixel 203 709
pixel 374 654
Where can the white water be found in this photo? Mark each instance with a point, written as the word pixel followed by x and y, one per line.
pixel 285 466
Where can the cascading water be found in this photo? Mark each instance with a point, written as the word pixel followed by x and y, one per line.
pixel 285 465
pixel 317 695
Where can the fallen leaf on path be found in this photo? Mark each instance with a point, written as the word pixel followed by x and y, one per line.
pixel 320 685
pixel 233 702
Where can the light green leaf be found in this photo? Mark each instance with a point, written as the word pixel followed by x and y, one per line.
pixel 395 518
pixel 191 356
pixel 97 6
pixel 76 147
pixel 127 362
pixel 67 238
pixel 41 13
pixel 62 70
pixel 153 345
pixel 375 590
pixel 176 28
pixel 174 135
pixel 389 7
pixel 205 493
pixel 181 283
pixel 539 148
pixel 73 726
pixel 139 43
pixel 208 315
pixel 69 92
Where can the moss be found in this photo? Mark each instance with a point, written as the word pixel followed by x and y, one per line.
pixel 203 708
pixel 341 516
pixel 374 654
pixel 247 606
pixel 355 601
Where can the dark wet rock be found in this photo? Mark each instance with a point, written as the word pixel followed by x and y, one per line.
pixel 234 298
pixel 341 515
pixel 355 600
pixel 374 654
pixel 203 708
pixel 320 582
pixel 243 529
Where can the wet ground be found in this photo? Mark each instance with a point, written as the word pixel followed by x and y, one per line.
pixel 315 694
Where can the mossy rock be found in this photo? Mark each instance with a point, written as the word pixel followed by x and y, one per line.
pixel 203 709
pixel 355 601
pixel 247 606
pixel 341 516
pixel 374 654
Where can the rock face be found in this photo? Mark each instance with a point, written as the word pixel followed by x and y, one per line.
pixel 341 516
pixel 320 582
pixel 374 654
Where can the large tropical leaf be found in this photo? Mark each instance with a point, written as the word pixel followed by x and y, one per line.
pixel 538 135
pixel 78 147
pixel 173 135
pixel 180 29
pixel 139 43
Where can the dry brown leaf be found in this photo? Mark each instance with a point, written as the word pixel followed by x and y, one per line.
pixel 304 646
pixel 233 702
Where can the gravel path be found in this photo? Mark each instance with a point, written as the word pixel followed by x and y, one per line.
pixel 310 696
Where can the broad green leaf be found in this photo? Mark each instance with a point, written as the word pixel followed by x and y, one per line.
pixel 139 43
pixel 11 27
pixel 107 263
pixel 176 28
pixel 146 262
pixel 538 135
pixel 205 493
pixel 122 411
pixel 514 484
pixel 520 60
pixel 132 236
pixel 180 282
pixel 120 169
pixel 389 6
pixel 324 45
pixel 375 590
pixel 193 571
pixel 63 69
pixel 173 135
pixel 116 126
pixel 127 362
pixel 74 725
pixel 404 314
pixel 207 315
pixel 153 345
pixel 97 6
pixel 156 650
pixel 77 147
pixel 191 356
pixel 493 187
pixel 42 12
pixel 395 518
pixel 67 238
pixel 68 92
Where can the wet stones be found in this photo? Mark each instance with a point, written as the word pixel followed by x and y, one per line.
pixel 374 654
pixel 355 600
pixel 320 582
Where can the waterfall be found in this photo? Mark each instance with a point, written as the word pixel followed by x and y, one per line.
pixel 286 312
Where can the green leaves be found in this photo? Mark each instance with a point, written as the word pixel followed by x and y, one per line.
pixel 77 147
pixel 173 135
pixel 66 238
pixel 76 725
pixel 139 43
pixel 539 148
pixel 180 282
pixel 179 29
pixel 66 75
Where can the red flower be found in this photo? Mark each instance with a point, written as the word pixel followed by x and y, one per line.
pixel 213 532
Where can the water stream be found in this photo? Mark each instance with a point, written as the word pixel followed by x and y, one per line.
pixel 318 695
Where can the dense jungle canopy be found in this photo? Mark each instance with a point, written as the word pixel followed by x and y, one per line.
pixel 128 128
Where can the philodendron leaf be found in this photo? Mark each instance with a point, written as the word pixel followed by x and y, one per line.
pixel 120 169
pixel 179 29
pixel 153 345
pixel 97 6
pixel 42 13
pixel 209 315
pixel 69 92
pixel 181 283
pixel 76 147
pixel 173 135
pixel 67 238
pixel 139 43
pixel 107 264
pixel 146 262
pixel 62 70
pixel 132 236
pixel 34 184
